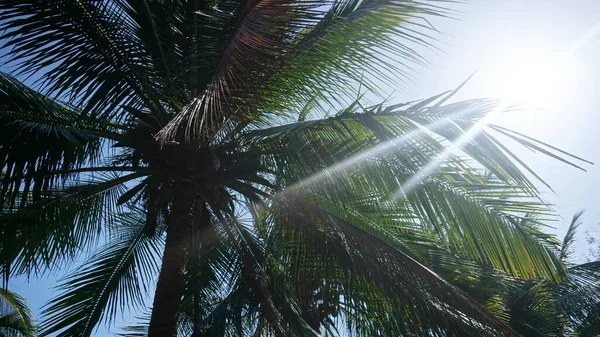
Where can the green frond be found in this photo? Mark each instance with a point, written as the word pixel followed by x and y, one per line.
pixel 590 325
pixel 45 234
pixel 250 253
pixel 86 51
pixel 534 312
pixel 374 285
pixel 542 308
pixel 569 239
pixel 16 319
pixel 183 41
pixel 290 52
pixel 369 163
pixel 579 295
pixel 39 136
pixel 115 279
pixel 366 43
pixel 469 227
pixel 358 135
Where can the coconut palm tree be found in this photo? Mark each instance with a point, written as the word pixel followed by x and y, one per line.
pixel 542 307
pixel 161 127
pixel 15 316
pixel 569 307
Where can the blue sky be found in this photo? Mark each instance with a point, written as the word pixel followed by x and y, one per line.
pixel 501 40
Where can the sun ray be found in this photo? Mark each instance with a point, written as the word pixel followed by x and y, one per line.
pixel 330 174
pixel 438 160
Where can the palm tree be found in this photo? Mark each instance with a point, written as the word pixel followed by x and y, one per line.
pixel 161 127
pixel 566 308
pixel 15 316
pixel 542 307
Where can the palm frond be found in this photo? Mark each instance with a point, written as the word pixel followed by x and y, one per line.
pixel 387 130
pixel 87 51
pixel 16 319
pixel 534 312
pixel 115 279
pixel 282 52
pixel 223 295
pixel 374 276
pixel 591 325
pixel 44 235
pixel 542 308
pixel 579 296
pixel 367 163
pixel 249 251
pixel 39 136
pixel 565 250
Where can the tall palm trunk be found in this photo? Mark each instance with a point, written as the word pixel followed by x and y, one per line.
pixel 170 286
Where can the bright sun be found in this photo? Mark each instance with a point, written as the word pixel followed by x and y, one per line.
pixel 534 77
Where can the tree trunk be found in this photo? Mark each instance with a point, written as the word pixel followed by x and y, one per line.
pixel 170 286
pixel 202 232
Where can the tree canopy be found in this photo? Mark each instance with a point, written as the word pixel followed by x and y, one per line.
pixel 219 150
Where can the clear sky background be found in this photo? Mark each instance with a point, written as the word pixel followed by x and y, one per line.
pixel 544 53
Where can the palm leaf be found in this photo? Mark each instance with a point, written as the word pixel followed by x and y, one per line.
pixel 250 253
pixel 86 50
pixel 39 136
pixel 386 130
pixel 43 235
pixel 112 280
pixel 579 296
pixel 282 52
pixel 570 236
pixel 376 274
pixel 16 319
pixel 364 162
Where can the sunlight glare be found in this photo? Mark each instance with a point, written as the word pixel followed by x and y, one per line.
pixel 338 170
pixel 439 160
pixel 535 78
